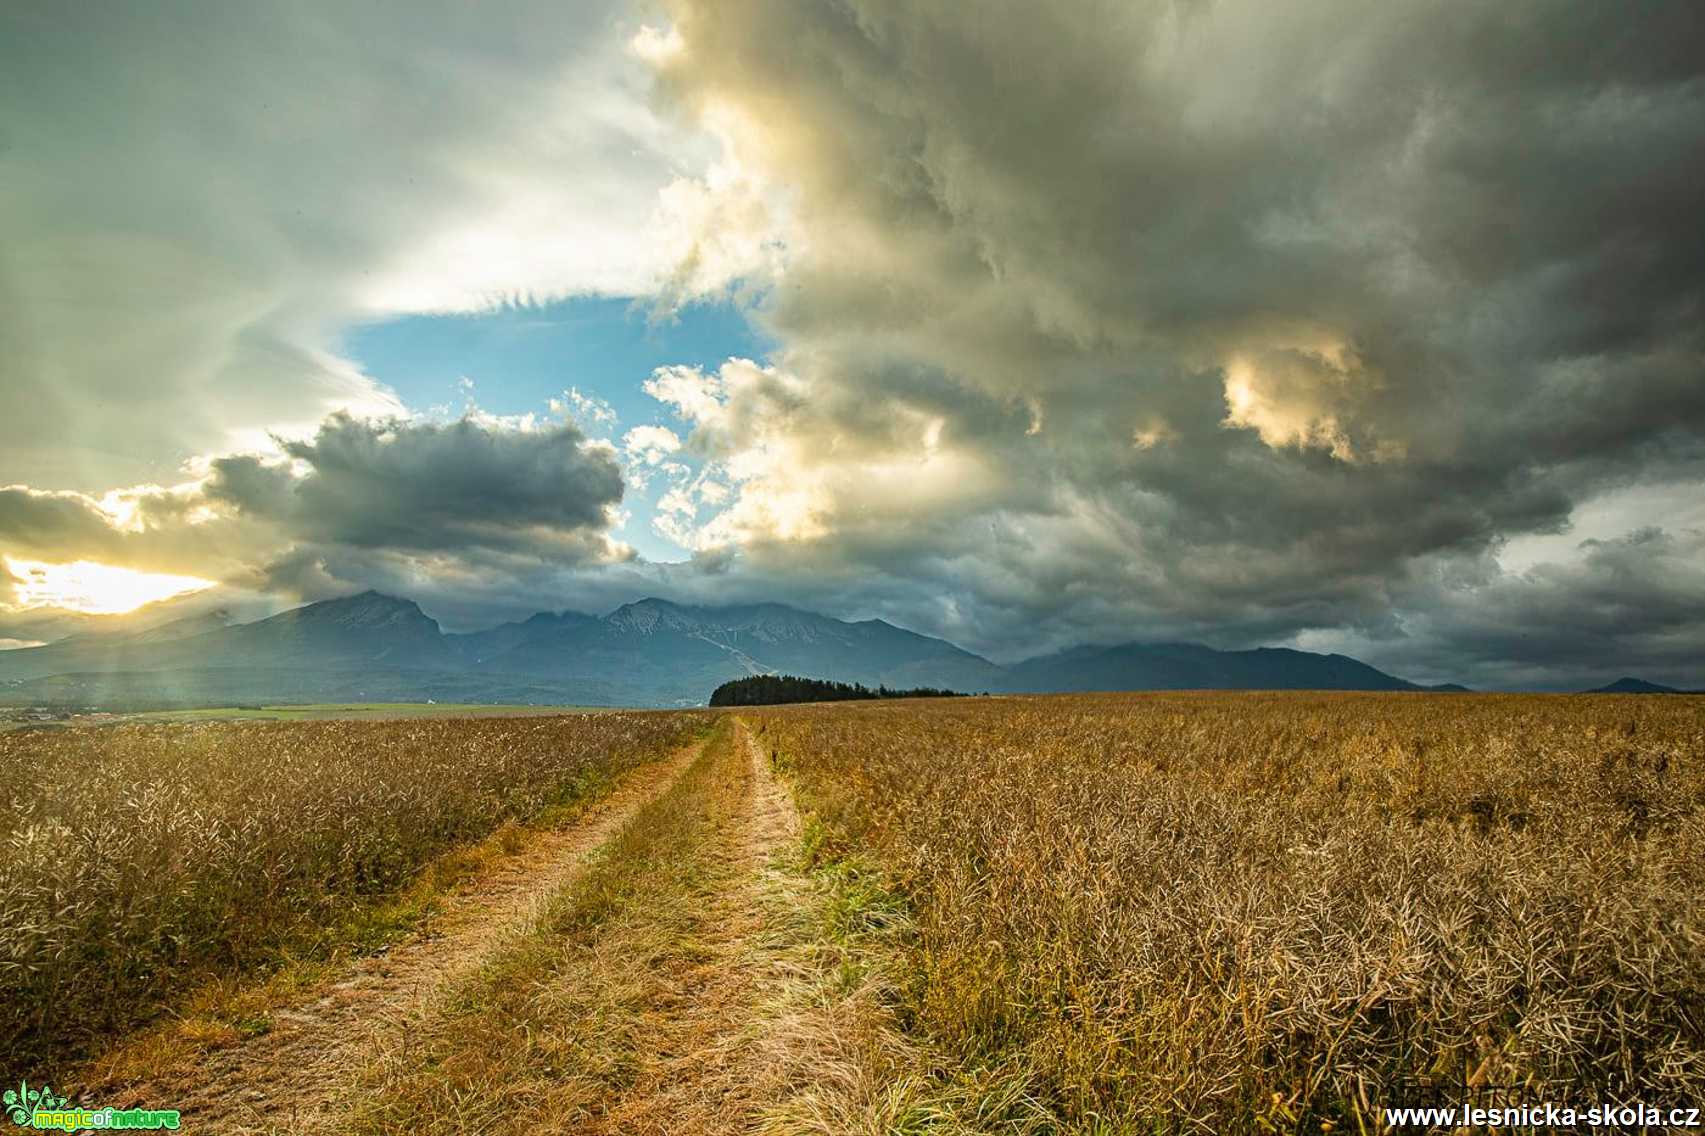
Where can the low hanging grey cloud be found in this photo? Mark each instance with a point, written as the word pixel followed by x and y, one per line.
pixel 1252 319
pixel 425 486
pixel 386 499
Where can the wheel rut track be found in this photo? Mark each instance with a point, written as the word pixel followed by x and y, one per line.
pixel 714 1066
pixel 291 1078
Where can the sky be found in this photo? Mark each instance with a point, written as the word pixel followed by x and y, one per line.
pixel 1363 328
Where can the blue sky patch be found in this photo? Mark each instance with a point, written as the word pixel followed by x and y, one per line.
pixel 519 358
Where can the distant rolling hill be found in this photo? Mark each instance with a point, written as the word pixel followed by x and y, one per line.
pixel 373 647
pixel 1627 685
pixel 1190 666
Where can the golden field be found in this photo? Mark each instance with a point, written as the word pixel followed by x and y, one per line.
pixel 1243 912
pixel 1089 914
pixel 136 860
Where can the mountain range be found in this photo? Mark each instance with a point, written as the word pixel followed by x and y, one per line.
pixel 378 648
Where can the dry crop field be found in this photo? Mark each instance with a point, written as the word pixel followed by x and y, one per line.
pixel 1236 911
pixel 1088 914
pixel 137 859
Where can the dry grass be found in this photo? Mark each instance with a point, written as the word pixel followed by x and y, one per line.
pixel 702 979
pixel 141 860
pixel 565 1022
pixel 833 1030
pixel 1094 914
pixel 1235 912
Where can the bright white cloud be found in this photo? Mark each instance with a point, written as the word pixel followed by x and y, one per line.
pixel 93 588
pixel 589 411
pixel 651 444
pixel 1305 398
pixel 200 198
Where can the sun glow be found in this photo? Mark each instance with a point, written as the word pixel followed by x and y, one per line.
pixel 95 588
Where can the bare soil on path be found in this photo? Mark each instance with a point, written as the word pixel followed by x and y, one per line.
pixel 291 1078
pixel 676 990
pixel 711 1063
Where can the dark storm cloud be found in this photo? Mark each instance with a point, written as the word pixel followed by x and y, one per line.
pixel 423 487
pixel 1636 603
pixel 497 509
pixel 1247 315
pixel 1630 605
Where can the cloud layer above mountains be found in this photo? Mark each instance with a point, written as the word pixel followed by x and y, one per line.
pixel 363 498
pixel 1231 316
pixel 1233 321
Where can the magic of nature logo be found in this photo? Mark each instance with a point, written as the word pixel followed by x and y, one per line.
pixel 43 1109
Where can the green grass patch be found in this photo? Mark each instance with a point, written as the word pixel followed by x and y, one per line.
pixel 355 711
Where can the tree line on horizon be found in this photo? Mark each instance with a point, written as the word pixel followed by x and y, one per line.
pixel 769 690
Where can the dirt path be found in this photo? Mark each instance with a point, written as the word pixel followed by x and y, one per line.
pixel 773 1012
pixel 711 1064
pixel 290 1078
